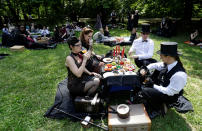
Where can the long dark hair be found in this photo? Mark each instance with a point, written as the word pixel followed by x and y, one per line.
pixel 177 58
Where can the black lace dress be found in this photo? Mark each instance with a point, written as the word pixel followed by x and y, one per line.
pixel 76 84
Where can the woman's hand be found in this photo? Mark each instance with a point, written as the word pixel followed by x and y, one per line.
pixel 101 64
pixel 99 57
pixel 96 74
pixel 87 55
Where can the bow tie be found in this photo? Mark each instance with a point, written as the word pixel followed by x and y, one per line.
pixel 144 40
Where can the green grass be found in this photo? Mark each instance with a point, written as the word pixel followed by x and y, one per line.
pixel 28 83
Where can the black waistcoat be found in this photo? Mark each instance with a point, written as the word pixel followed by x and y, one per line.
pixel 167 76
pixel 165 79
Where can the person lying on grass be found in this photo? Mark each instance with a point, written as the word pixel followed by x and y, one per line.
pixel 81 82
pixel 194 38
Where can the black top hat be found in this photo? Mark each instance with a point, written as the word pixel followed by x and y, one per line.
pixel 145 28
pixel 169 48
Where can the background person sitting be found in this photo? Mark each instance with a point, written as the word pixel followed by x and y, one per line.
pixel 63 32
pixel 106 31
pixel 81 82
pixel 99 36
pixel 22 37
pixel 6 36
pixel 32 29
pixel 70 28
pixel 56 35
pixel 194 38
pixel 45 32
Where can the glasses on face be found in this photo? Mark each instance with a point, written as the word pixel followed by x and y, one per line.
pixel 77 45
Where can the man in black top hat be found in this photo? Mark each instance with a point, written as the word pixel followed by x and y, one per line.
pixel 171 80
pixel 143 48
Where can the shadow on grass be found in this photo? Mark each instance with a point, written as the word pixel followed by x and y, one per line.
pixel 171 122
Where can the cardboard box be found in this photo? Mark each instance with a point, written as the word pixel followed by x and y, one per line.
pixel 138 120
pixel 17 48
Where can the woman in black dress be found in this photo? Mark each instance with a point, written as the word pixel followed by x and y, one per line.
pixel 80 81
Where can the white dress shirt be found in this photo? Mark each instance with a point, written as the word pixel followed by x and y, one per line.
pixel 144 50
pixel 177 81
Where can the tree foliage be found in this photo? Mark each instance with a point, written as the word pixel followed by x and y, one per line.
pixel 54 11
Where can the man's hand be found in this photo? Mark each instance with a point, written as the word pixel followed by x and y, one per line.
pixel 143 72
pixel 129 53
pixel 134 56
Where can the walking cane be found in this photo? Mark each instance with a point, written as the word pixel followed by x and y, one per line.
pixel 106 129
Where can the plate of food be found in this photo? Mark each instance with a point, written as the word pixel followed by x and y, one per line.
pixel 107 60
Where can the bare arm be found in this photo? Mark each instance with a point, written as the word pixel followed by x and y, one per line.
pixel 73 67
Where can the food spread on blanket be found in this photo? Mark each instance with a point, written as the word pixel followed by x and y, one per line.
pixel 119 67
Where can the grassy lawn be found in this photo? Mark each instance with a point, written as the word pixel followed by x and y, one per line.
pixel 28 83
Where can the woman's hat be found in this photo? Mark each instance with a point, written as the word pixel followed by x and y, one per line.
pixel 169 48
pixel 145 28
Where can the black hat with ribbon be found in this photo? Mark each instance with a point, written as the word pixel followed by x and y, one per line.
pixel 169 48
pixel 145 28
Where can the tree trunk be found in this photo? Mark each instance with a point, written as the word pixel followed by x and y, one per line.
pixel 24 15
pixel 188 7
pixel 13 12
pixel 38 13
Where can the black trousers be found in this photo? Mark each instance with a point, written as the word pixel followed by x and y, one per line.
pixel 155 99
pixel 144 62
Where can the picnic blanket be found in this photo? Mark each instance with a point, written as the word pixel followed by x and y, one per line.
pixel 64 102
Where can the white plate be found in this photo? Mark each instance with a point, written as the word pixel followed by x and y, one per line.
pixel 107 74
pixel 130 73
pixel 107 60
